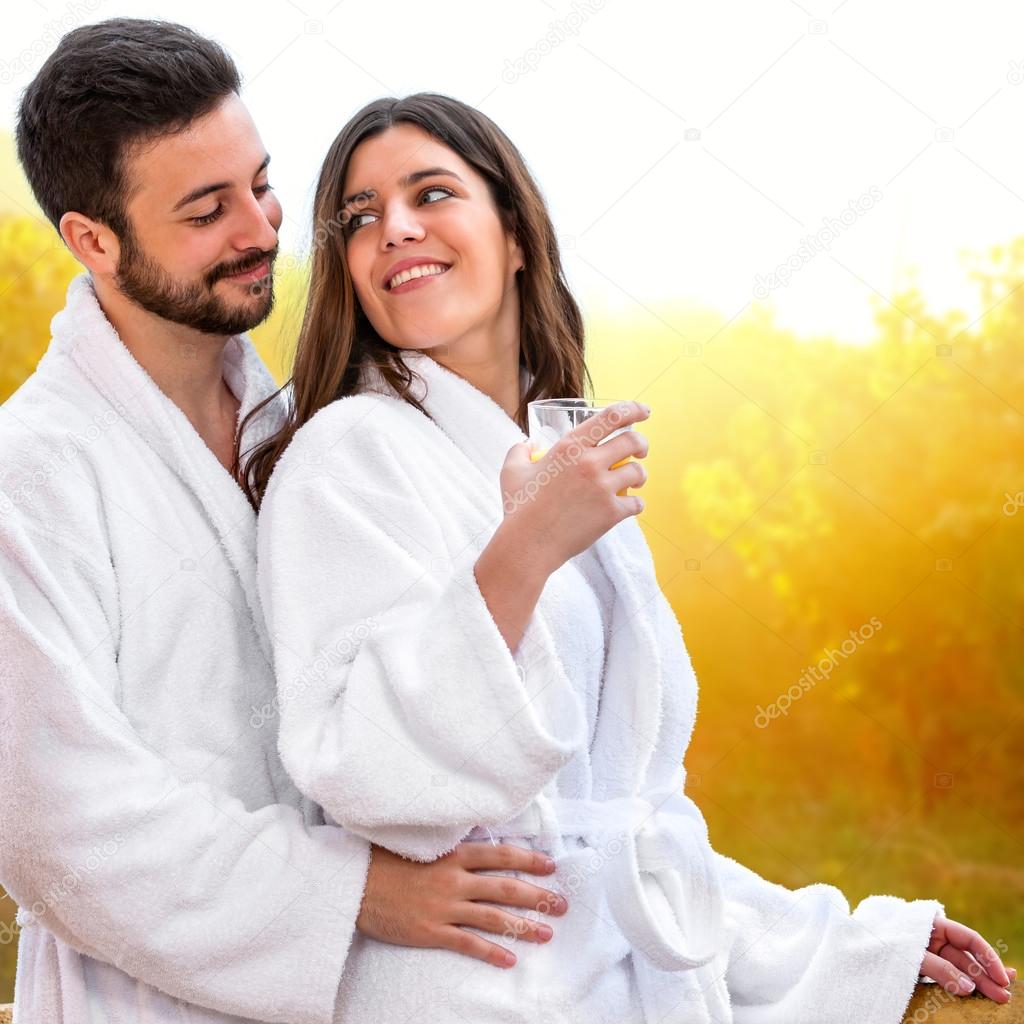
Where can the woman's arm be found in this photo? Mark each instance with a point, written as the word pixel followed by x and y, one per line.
pixel 404 713
pixel 792 948
pixel 402 710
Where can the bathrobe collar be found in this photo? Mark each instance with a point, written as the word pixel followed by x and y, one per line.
pixel 82 333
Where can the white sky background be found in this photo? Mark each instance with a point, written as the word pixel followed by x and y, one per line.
pixel 684 148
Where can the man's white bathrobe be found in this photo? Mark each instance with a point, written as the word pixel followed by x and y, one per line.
pixel 405 716
pixel 165 867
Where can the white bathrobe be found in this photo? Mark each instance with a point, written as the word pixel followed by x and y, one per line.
pixel 405 716
pixel 165 867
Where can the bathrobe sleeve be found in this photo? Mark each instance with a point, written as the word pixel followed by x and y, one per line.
pixel 247 912
pixel 800 956
pixel 402 711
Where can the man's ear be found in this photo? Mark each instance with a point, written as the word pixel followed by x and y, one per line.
pixel 92 243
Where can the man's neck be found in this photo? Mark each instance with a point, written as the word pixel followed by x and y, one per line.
pixel 186 365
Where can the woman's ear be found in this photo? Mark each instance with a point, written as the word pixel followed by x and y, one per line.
pixel 515 253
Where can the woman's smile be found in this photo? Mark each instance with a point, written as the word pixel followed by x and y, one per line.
pixel 415 277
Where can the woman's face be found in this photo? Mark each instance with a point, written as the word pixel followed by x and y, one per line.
pixel 413 201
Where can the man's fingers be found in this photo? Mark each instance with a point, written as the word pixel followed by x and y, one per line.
pixel 503 857
pixel 458 940
pixel 511 892
pixel 499 922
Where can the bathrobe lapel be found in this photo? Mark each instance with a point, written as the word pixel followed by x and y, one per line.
pixel 82 332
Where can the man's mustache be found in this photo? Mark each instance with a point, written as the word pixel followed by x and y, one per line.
pixel 240 266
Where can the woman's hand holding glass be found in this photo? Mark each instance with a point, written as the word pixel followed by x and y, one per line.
pixel 575 492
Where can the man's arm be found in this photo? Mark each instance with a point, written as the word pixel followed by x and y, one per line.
pixel 108 848
pixel 249 912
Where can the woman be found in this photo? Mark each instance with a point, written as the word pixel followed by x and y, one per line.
pixel 469 643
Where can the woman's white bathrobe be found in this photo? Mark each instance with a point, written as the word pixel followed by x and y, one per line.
pixel 405 716
pixel 166 868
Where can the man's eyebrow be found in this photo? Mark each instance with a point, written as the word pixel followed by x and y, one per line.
pixel 205 190
pixel 409 179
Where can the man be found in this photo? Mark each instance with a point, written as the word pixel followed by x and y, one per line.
pixel 164 865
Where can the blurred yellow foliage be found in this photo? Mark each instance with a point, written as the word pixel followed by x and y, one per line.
pixel 35 269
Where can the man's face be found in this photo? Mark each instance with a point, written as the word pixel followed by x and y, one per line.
pixel 204 223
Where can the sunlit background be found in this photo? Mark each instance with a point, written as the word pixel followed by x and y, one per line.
pixel 797 231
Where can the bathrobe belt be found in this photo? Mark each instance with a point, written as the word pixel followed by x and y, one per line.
pixel 656 865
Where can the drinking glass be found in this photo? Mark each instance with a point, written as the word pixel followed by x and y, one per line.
pixel 552 418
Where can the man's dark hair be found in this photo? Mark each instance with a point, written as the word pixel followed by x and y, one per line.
pixel 106 88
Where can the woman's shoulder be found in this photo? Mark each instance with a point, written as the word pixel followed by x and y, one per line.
pixel 361 429
pixel 365 413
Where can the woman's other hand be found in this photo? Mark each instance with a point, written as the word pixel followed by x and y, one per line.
pixel 960 960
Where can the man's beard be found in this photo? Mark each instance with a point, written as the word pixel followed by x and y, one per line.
pixel 194 303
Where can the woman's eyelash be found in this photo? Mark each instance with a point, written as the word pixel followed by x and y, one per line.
pixel 351 226
pixel 209 218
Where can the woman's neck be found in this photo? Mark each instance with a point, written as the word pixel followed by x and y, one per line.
pixel 489 362
pixel 498 378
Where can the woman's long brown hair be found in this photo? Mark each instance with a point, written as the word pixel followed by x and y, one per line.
pixel 336 339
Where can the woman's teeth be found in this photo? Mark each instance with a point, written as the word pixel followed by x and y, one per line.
pixel 424 270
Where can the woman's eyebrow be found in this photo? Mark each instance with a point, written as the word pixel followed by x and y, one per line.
pixel 409 179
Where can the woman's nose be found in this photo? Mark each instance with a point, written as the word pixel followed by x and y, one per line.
pixel 400 226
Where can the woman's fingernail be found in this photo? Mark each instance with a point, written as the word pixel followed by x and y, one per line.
pixel 966 985
pixel 544 932
pixel 509 960
pixel 549 865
